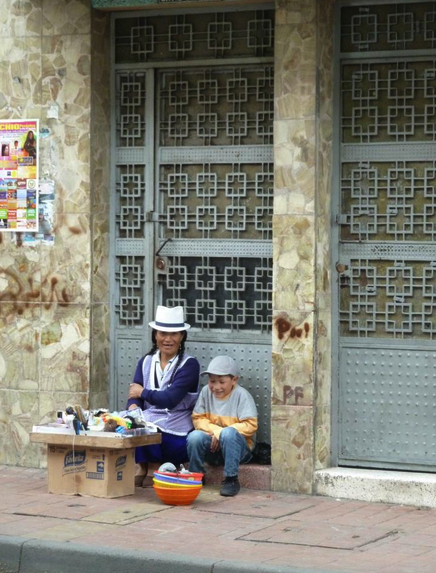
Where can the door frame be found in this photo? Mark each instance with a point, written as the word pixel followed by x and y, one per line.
pixel 338 60
pixel 151 175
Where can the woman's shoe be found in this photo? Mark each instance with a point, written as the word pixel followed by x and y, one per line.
pixel 141 473
pixel 147 481
pixel 139 480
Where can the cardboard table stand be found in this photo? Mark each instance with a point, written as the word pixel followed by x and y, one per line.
pixel 99 466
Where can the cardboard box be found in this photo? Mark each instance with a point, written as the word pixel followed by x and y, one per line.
pixel 90 471
pixel 96 466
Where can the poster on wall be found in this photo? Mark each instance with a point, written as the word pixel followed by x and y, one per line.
pixel 19 175
pixel 45 234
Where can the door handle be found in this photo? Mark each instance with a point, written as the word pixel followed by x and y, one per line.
pixel 344 275
pixel 341 267
pixel 160 262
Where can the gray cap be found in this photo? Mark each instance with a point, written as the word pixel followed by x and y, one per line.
pixel 222 366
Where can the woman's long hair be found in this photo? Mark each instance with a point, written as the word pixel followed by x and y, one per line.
pixel 180 352
pixel 28 138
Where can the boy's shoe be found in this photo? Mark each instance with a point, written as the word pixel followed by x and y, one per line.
pixel 230 487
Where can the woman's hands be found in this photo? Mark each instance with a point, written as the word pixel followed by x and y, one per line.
pixel 135 391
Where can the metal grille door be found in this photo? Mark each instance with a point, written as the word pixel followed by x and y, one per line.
pixel 194 188
pixel 386 225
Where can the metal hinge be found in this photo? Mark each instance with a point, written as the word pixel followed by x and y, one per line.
pixel 151 217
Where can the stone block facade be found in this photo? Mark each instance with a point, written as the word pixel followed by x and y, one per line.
pixel 54 300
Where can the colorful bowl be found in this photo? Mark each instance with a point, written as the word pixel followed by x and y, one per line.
pixel 177 480
pixel 191 485
pixel 191 475
pixel 176 496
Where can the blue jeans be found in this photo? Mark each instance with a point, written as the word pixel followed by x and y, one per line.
pixel 233 451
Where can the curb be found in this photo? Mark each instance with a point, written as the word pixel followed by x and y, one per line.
pixel 22 555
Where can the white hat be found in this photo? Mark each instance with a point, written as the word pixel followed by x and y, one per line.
pixel 169 319
pixel 222 366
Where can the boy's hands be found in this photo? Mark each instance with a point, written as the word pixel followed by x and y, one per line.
pixel 214 445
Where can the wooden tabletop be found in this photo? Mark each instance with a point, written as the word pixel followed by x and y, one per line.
pixel 116 443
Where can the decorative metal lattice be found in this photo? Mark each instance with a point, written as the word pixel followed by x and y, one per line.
pixel 387 252
pixel 388 171
pixel 393 201
pixel 212 199
pixel 401 26
pixel 213 162
pixel 187 36
pixel 130 109
pixel 130 276
pixel 193 188
pixel 389 300
pixel 130 186
pixel 222 293
pixel 389 102
pixel 217 201
pixel 230 106
pixel 130 193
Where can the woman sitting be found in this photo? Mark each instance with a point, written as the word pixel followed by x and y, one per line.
pixel 165 386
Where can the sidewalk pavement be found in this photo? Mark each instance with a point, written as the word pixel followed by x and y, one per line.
pixel 256 531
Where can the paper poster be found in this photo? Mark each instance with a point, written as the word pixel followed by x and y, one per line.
pixel 45 233
pixel 19 175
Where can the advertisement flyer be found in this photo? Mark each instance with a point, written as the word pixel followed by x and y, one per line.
pixel 19 175
pixel 45 234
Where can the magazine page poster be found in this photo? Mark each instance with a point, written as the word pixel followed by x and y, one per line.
pixel 19 175
pixel 45 233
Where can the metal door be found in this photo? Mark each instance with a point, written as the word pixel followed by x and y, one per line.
pixel 385 225
pixel 194 188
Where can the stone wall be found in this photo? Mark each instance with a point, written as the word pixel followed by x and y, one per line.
pixel 100 204
pixel 301 301
pixel 45 290
pixel 54 300
pixel 323 350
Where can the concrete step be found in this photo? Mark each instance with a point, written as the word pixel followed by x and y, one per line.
pixel 251 476
pixel 407 488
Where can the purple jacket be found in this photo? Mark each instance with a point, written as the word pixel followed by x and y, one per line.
pixel 171 406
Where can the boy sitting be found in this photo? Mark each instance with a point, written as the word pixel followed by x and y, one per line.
pixel 225 422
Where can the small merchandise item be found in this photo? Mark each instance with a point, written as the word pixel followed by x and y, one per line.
pixel 188 484
pixel 125 424
pixel 177 496
pixel 177 488
pixel 178 479
pixel 167 467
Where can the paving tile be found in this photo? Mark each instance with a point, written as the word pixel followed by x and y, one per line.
pixel 236 552
pixel 320 535
pixel 366 516
pixel 410 567
pixel 258 506
pixel 329 510
pixel 9 518
pixel 126 514
pixel 426 529
pixel 312 557
pixel 394 563
pixel 419 539
pixel 115 540
pixel 316 533
pixel 71 530
pixel 27 526
pixel 414 521
pixel 60 510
